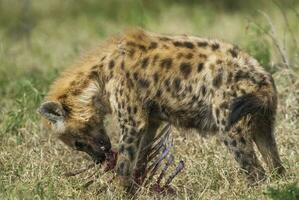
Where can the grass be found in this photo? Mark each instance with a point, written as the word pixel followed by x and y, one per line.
pixel 38 44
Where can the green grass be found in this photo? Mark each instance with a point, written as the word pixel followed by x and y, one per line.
pixel 36 45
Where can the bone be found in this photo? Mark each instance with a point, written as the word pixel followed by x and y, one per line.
pixel 156 164
pixel 162 144
pixel 164 170
pixel 178 169
pixel 157 151
pixel 164 132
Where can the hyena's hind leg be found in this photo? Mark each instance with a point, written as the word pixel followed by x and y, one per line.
pixel 265 141
pixel 239 141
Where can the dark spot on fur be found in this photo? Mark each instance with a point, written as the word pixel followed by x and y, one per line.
pixel 76 92
pixel 122 148
pixel 241 75
pixel 144 83
pixel 111 64
pixel 153 45
pixel 103 58
pixel 127 75
pixel 156 57
pixel 202 44
pixel 165 46
pixel 166 63
pixel 133 44
pixel 144 62
pixel 224 105
pixel 203 90
pixel 62 97
pixel 179 55
pixel 135 76
pixel 194 98
pixel 225 142
pixel 188 45
pixel 217 113
pixel 121 91
pixel 185 69
pixel 223 122
pixel 130 140
pixel 239 130
pixel 132 53
pixel 203 56
pixel 234 52
pixel 238 154
pixel 217 81
pixel 177 84
pixel 141 47
pixel 178 44
pixel 189 56
pixel 135 110
pixel 190 88
pixel 242 140
pixel 158 94
pixel 129 109
pixel 167 83
pixel 215 46
pixel 219 61
pixel 200 67
pixel 156 77
pixel 122 65
pixel 164 38
pixel 245 164
pixel 131 152
pixel 74 82
pixel 95 67
pixel 234 143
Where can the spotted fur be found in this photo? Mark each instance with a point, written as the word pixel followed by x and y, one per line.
pixel 144 79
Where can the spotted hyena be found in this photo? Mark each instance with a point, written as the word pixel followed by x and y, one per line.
pixel 145 79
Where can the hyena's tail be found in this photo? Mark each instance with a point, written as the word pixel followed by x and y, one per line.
pixel 262 107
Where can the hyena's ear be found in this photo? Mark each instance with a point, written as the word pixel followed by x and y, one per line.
pixel 53 111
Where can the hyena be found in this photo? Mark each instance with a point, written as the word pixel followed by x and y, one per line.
pixel 145 79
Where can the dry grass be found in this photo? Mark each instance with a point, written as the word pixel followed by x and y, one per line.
pixel 33 162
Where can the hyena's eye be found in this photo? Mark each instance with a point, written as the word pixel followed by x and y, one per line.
pixel 79 145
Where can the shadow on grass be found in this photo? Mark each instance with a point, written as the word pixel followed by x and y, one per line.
pixel 285 192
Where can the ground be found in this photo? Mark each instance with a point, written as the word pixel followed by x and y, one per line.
pixel 35 47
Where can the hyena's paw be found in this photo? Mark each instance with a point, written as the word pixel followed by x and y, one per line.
pixel 123 170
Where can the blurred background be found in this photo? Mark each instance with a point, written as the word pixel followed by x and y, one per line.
pixel 39 38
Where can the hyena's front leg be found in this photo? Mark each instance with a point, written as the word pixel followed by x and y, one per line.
pixel 144 150
pixel 133 121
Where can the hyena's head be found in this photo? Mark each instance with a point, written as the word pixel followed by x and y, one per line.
pixel 82 135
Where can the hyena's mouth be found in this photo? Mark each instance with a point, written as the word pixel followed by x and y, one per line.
pixel 109 159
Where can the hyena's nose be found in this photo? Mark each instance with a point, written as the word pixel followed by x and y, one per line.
pixel 102 148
